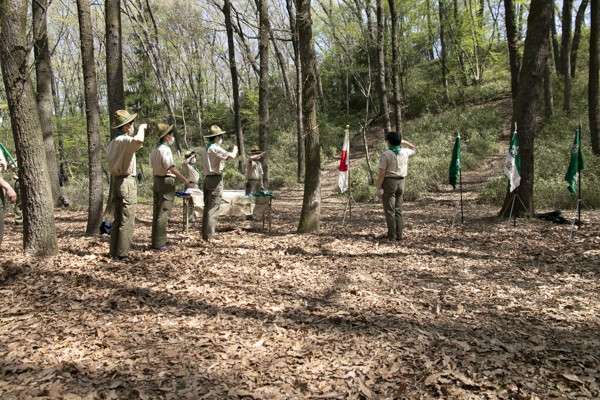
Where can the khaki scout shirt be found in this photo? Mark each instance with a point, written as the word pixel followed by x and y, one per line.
pixel 120 153
pixel 254 171
pixel 213 159
pixel 395 166
pixel 190 172
pixel 161 159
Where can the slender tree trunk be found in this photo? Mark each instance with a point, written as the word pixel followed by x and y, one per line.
pixel 39 234
pixel 383 102
pixel 310 215
pixel 430 35
pixel 530 86
pixel 235 87
pixel 263 87
pixel 593 80
pixel 61 150
pixel 565 52
pixel 513 49
pixel 577 35
pixel 114 71
pixel 548 95
pixel 556 50
pixel 442 14
pixel 43 70
pixel 299 126
pixel 92 113
pixel 396 67
pixel 282 62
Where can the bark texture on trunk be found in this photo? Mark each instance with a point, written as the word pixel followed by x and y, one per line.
pixel 513 48
pixel 594 75
pixel 395 68
pixel 92 114
pixel 263 88
pixel 310 215
pixel 299 129
pixel 531 81
pixel 39 234
pixel 383 102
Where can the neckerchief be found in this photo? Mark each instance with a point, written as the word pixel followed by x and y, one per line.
pixel 396 149
pixel 211 144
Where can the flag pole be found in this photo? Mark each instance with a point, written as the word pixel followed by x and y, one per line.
pixel 579 192
pixel 462 215
pixel 349 181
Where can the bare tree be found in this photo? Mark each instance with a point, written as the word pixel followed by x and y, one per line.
pixel 300 131
pixel 395 67
pixel 593 104
pixel 92 113
pixel 43 71
pixel 565 52
pixel 263 87
pixel 530 85
pixel 310 216
pixel 235 87
pixel 579 18
pixel 384 107
pixel 39 233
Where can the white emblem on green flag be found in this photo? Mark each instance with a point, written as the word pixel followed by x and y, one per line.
pixel 575 165
pixel 455 163
pixel 512 166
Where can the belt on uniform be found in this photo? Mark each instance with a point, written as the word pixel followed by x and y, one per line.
pixel 257 180
pixel 124 176
pixel 394 177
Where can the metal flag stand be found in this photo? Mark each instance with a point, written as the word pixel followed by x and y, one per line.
pixel 577 212
pixel 350 198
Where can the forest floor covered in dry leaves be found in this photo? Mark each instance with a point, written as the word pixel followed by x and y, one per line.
pixel 475 310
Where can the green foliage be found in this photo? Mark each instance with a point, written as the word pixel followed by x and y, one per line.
pixel 494 190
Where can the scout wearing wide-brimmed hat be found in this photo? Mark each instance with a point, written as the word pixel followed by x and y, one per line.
pixel 163 189
pixel 254 171
pixel 120 156
pixel 213 161
pixel 190 170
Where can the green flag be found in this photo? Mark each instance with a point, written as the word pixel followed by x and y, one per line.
pixel 575 165
pixel 455 163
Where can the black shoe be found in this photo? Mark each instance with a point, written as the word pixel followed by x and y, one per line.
pixel 117 258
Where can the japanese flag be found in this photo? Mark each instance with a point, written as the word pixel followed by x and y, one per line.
pixel 344 162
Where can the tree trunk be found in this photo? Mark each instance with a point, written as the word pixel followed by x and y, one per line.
pixel 299 129
pixel 114 71
pixel 263 88
pixel 43 71
pixel 396 67
pixel 530 85
pixel 383 102
pixel 513 49
pixel 92 113
pixel 39 233
pixel 548 95
pixel 61 149
pixel 593 80
pixel 431 42
pixel 556 50
pixel 442 13
pixel 235 87
pixel 310 215
pixel 577 35
pixel 565 52
pixel 282 62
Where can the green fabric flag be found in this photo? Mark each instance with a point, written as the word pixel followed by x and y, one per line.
pixel 455 163
pixel 575 165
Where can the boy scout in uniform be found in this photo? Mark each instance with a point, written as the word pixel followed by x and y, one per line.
pixel 213 161
pixel 254 171
pixel 12 196
pixel 164 174
pixel 120 156
pixel 191 172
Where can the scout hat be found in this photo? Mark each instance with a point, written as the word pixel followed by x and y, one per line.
pixel 255 150
pixel 163 130
pixel 122 117
pixel 189 154
pixel 214 131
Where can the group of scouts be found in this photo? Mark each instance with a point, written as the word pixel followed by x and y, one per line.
pixel 120 156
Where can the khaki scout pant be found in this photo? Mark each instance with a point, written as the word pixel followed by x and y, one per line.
pixel 393 194
pixel 18 203
pixel 164 195
pixel 2 200
pixel 252 185
pixel 213 192
pixel 124 198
